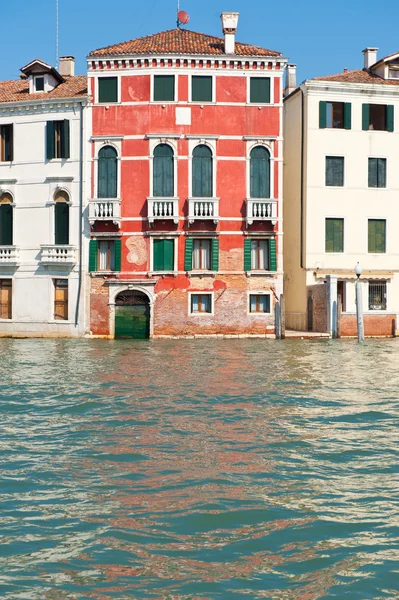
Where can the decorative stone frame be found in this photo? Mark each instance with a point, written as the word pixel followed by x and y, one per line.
pixel 145 287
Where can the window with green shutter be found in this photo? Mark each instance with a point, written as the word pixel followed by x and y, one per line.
pixel 259 90
pixel 247 254
pixel 6 224
pixel 334 235
pixel 61 224
pixel 335 171
pixel 377 172
pixel 188 256
pixel 93 253
pixel 164 88
pixel 334 115
pixel 377 236
pixel 215 254
pixel 259 173
pixel 272 254
pixel 6 143
pixel 57 139
pixel 163 255
pixel 260 254
pixel 118 255
pixel 202 172
pixel 107 173
pixel 201 88
pixel 378 117
pixel 163 171
pixel 107 89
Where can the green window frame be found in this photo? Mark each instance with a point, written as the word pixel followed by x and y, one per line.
pixel 259 92
pixel 335 171
pixel 202 172
pixel 249 259
pixel 214 254
pixel 57 139
pixel 107 173
pixel 163 172
pixel 164 88
pixel 334 241
pixel 335 115
pixel 377 236
pixel 107 90
pixel 377 172
pixel 201 88
pixel 259 180
pixel 163 254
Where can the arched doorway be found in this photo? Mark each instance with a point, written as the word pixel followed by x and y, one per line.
pixel 132 315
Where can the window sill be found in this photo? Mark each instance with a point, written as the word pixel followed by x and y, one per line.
pixel 163 273
pixel 268 273
pixel 259 314
pixel 207 273
pixel 201 314
pixel 103 273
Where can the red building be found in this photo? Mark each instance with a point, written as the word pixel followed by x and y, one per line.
pixel 185 212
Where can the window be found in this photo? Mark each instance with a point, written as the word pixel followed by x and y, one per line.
pixel 107 90
pixel 377 295
pixel 107 173
pixel 202 254
pixel 201 88
pixel 394 73
pixel 163 171
pixel 259 172
pixel 105 255
pixel 377 172
pixel 259 303
pixel 378 117
pixel 334 235
pixel 6 298
pixel 39 84
pixel 341 293
pixel 6 220
pixel 259 90
pixel 201 303
pixel 61 218
pixel 163 255
pixel 260 255
pixel 6 143
pixel 377 236
pixel 335 171
pixel 202 172
pixel 57 133
pixel 60 299
pixel 164 88
pixel 334 115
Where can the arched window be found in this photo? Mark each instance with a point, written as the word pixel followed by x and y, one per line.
pixel 107 173
pixel 164 184
pixel 202 172
pixel 260 173
pixel 6 219
pixel 61 217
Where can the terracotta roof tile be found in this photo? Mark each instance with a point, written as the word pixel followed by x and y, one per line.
pixel 360 76
pixel 180 41
pixel 18 91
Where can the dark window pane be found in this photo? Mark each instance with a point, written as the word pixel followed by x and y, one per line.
pixel 61 223
pixel 201 88
pixel 6 218
pixel 202 172
pixel 107 173
pixel 164 88
pixel 260 173
pixel 108 89
pixel 260 90
pixel 39 84
pixel 378 117
pixel 334 170
pixel 163 185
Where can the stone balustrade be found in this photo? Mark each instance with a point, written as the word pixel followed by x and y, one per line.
pixel 105 209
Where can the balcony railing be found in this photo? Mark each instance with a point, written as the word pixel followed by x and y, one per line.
pixel 162 209
pixel 53 254
pixel 203 209
pixel 105 209
pixel 9 255
pixel 261 209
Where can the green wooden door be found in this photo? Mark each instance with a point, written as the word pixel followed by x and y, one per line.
pixel 132 316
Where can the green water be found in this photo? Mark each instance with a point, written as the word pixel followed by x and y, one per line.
pixel 199 469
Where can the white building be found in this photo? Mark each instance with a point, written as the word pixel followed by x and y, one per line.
pixel 42 197
pixel 341 191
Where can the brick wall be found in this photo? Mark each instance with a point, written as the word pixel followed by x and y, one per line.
pixel 374 325
pixel 318 293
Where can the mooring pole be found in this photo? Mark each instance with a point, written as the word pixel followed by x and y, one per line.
pixel 359 305
pixel 277 320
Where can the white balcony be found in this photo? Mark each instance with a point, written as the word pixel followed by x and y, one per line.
pixel 60 255
pixel 261 209
pixel 105 209
pixel 203 209
pixel 162 209
pixel 9 255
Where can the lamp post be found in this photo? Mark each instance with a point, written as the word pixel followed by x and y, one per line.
pixel 359 305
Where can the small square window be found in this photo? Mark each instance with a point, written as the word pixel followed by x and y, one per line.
pixel 39 84
pixel 107 90
pixel 377 295
pixel 201 303
pixel 259 303
pixel 201 88
pixel 164 88
pixel 259 90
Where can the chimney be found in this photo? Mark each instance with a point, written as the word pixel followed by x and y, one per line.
pixel 67 65
pixel 229 25
pixel 370 57
pixel 290 80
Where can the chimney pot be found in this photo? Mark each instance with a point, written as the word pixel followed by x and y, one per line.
pixel 370 57
pixel 290 80
pixel 229 26
pixel 67 65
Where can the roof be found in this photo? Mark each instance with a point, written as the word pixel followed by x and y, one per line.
pixel 18 91
pixel 180 41
pixel 38 66
pixel 359 76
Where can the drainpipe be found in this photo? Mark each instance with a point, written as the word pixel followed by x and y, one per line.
pixel 80 217
pixel 302 176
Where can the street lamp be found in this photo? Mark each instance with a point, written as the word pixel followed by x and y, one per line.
pixel 359 304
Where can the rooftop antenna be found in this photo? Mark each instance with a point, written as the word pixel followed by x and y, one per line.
pixel 182 17
pixel 56 36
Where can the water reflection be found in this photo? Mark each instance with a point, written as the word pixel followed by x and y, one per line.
pixel 198 469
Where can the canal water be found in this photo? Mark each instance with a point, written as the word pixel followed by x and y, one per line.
pixel 199 469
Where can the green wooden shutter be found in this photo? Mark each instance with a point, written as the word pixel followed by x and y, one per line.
pixel 215 254
pixel 338 235
pixel 6 217
pixel 65 144
pixel 168 252
pixel 260 90
pixel 7 134
pixel 158 262
pixel 380 236
pixel 329 235
pixel 247 254
pixel 373 172
pixel 61 228
pixel 347 115
pixel 390 122
pixel 201 88
pixel 118 254
pixel 188 257
pixel 93 253
pixel 381 172
pixel 107 173
pixel 272 255
pixel 202 172
pixel 322 114
pixel 163 171
pixel 259 173
pixel 108 89
pixel 50 140
pixel 164 88
pixel 365 117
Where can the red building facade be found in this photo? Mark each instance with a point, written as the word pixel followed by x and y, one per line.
pixel 185 210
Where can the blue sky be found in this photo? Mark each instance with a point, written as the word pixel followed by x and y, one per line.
pixel 320 37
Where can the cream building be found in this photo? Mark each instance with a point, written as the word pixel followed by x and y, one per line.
pixel 42 199
pixel 341 192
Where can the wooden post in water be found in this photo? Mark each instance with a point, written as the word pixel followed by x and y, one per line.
pixel 282 316
pixel 277 320
pixel 339 312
